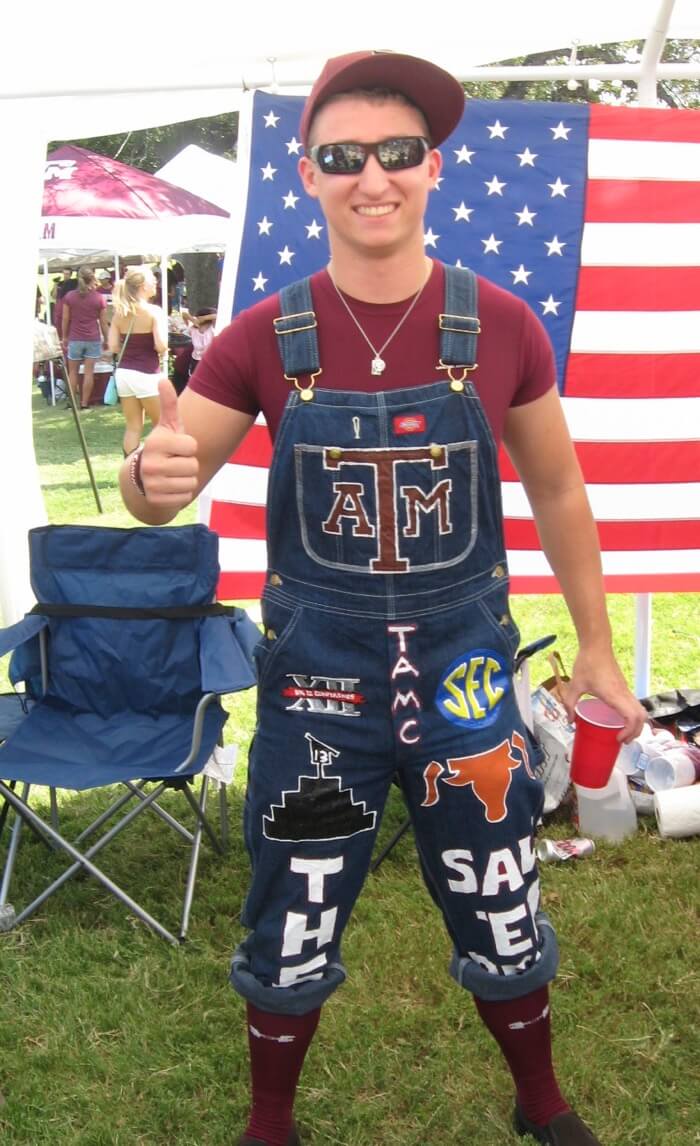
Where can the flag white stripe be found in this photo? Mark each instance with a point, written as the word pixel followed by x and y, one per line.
pixel 638 501
pixel 241 556
pixel 238 556
pixel 633 419
pixel 643 159
pixel 640 244
pixel 634 502
pixel 636 332
pixel 533 563
pixel 246 485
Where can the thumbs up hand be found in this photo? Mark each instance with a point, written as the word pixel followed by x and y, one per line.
pixel 169 469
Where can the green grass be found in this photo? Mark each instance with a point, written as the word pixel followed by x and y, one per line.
pixel 109 1037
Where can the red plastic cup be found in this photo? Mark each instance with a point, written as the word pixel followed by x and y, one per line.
pixel 595 745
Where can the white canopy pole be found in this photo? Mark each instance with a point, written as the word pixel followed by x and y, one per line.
pixel 651 55
pixel 22 502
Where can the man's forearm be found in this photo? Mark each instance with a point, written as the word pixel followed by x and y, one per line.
pixel 570 541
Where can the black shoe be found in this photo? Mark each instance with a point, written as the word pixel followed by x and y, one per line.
pixel 292 1140
pixel 563 1130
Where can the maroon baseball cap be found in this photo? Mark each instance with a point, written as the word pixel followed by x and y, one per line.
pixel 434 91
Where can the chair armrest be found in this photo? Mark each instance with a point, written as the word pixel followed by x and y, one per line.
pixel 21 632
pixel 226 648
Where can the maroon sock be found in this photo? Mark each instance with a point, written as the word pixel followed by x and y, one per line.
pixel 278 1045
pixel 522 1030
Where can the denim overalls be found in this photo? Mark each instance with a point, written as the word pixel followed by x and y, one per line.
pixel 387 654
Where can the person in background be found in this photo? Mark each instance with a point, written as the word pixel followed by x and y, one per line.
pixel 388 641
pixel 84 330
pixel 105 285
pixel 139 332
pixel 63 286
pixel 201 330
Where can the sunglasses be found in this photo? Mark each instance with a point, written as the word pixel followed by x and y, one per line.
pixel 350 158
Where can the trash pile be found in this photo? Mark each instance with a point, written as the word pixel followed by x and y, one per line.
pixel 656 775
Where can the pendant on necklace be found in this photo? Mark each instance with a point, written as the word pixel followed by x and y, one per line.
pixel 378 365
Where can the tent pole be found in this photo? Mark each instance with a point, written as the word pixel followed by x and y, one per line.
pixel 646 90
pixel 47 316
pixel 81 435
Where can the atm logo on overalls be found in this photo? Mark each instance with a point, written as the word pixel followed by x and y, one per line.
pixel 473 688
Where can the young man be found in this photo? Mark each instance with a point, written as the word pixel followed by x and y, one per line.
pixel 388 641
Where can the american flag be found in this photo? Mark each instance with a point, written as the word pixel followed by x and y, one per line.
pixel 592 215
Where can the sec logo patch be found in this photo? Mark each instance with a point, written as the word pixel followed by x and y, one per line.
pixel 473 688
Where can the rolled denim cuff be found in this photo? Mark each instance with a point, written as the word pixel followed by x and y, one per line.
pixel 497 988
pixel 296 1000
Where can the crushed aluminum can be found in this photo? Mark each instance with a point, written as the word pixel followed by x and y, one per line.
pixel 549 850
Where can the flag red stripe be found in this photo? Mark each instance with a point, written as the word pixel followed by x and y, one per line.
pixel 620 583
pixel 255 449
pixel 249 586
pixel 641 201
pixel 659 124
pixel 231 519
pixel 240 586
pixel 639 288
pixel 629 462
pixel 615 535
pixel 247 523
pixel 633 376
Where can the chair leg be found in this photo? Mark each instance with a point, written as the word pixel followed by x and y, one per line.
pixel 223 816
pixel 392 843
pixel 201 818
pixel 11 853
pixel 194 856
pixel 84 861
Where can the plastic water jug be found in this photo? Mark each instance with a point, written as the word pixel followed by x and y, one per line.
pixel 607 813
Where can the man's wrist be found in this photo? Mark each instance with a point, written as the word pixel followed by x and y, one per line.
pixel 134 463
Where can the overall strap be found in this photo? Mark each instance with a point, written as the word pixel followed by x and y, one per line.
pixel 296 330
pixel 459 325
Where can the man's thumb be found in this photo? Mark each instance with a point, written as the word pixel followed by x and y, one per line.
pixel 169 412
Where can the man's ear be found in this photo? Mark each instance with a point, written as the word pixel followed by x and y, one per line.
pixel 434 166
pixel 308 173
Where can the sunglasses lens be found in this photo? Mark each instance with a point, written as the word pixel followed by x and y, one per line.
pixel 350 158
pixel 341 158
pixel 397 154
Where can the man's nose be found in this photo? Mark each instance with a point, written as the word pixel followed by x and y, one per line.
pixel 373 177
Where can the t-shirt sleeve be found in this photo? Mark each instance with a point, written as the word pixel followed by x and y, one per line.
pixel 225 373
pixel 537 369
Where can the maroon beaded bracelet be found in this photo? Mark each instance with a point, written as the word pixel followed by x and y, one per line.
pixel 135 470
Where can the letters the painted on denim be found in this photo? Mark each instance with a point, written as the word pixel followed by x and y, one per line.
pixel 406 699
pixel 301 929
pixel 504 871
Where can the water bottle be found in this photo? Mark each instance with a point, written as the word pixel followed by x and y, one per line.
pixel 607 813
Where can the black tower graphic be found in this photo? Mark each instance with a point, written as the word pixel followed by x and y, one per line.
pixel 319 809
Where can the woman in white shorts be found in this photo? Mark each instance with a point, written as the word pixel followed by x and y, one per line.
pixel 139 331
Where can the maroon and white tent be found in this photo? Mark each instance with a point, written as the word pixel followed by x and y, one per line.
pixel 92 202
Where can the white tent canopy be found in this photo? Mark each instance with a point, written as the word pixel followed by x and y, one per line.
pixel 183 70
pixel 203 173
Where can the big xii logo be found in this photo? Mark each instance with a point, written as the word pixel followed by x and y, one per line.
pixel 323 694
pixel 394 501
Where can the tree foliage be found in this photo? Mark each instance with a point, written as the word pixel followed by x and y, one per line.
pixel 150 148
pixel 671 93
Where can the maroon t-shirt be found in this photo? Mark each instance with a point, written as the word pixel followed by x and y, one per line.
pixel 242 367
pixel 140 353
pixel 84 315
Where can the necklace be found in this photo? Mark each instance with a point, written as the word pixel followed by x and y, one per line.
pixel 378 365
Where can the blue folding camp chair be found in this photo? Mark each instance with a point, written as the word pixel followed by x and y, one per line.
pixel 123 659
